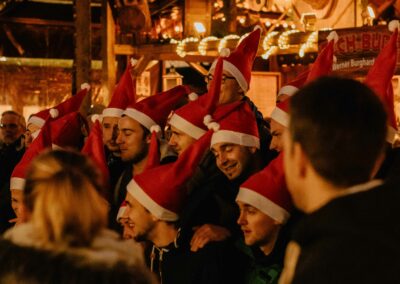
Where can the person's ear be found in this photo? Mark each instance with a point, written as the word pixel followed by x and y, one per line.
pixel 252 149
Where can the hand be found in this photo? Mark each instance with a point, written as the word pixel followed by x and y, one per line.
pixel 206 233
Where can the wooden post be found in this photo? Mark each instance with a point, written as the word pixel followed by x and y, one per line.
pixel 230 12
pixel 83 57
pixel 107 51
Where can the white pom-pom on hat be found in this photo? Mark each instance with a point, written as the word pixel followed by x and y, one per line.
pixel 193 96
pixel 213 125
pixel 54 112
pixel 85 86
pixel 393 25
pixel 333 36
pixel 155 128
pixel 225 52
pixel 95 117
pixel 133 62
pixel 207 119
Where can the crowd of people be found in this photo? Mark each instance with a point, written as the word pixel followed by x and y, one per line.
pixel 187 188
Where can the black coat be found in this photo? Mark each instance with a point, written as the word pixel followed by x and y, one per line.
pixel 352 239
pixel 211 198
pixel 9 157
pixel 217 262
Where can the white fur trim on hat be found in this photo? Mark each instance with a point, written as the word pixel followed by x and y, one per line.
pixel 280 116
pixel 54 112
pixel 85 86
pixel 17 183
pixel 227 136
pixel 193 96
pixel 227 66
pixel 121 212
pixel 35 134
pixel 56 147
pixel 393 25
pixel 257 27
pixel 158 211
pixel 36 120
pixel 112 112
pixel 186 126
pixel 263 204
pixel 333 36
pixel 140 117
pixel 391 134
pixel 288 90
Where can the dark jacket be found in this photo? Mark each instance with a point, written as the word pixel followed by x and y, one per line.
pixel 211 198
pixel 352 239
pixel 217 262
pixel 10 155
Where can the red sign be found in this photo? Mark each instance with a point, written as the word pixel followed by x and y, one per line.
pixel 357 48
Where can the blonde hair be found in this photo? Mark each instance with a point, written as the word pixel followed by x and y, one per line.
pixel 62 195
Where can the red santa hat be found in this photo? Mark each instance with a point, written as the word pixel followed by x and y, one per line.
pixel 193 117
pixel 154 110
pixel 67 131
pixel 267 191
pixel 42 142
pixel 161 190
pixel 94 148
pixel 293 86
pixel 322 66
pixel 240 62
pixel 238 127
pixel 379 78
pixel 123 96
pixel 153 157
pixel 281 112
pixel 69 105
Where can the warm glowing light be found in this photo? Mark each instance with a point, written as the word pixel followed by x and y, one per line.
pixel 199 27
pixel 223 41
pixel 204 43
pixel 371 12
pixel 312 38
pixel 283 41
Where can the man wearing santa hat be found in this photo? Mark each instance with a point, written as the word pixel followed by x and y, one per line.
pixel 236 76
pixel 134 133
pixel 154 202
pixel 333 147
pixel 280 115
pixel 265 207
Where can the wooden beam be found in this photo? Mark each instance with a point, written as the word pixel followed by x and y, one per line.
pixel 203 71
pixel 83 54
pixel 141 65
pixel 109 71
pixel 40 22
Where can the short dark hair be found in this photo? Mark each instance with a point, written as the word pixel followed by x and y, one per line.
pixel 341 126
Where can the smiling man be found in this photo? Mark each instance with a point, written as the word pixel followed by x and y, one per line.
pixel 265 207
pixel 236 145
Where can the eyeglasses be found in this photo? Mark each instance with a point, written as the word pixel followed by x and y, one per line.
pixel 10 125
pixel 209 77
